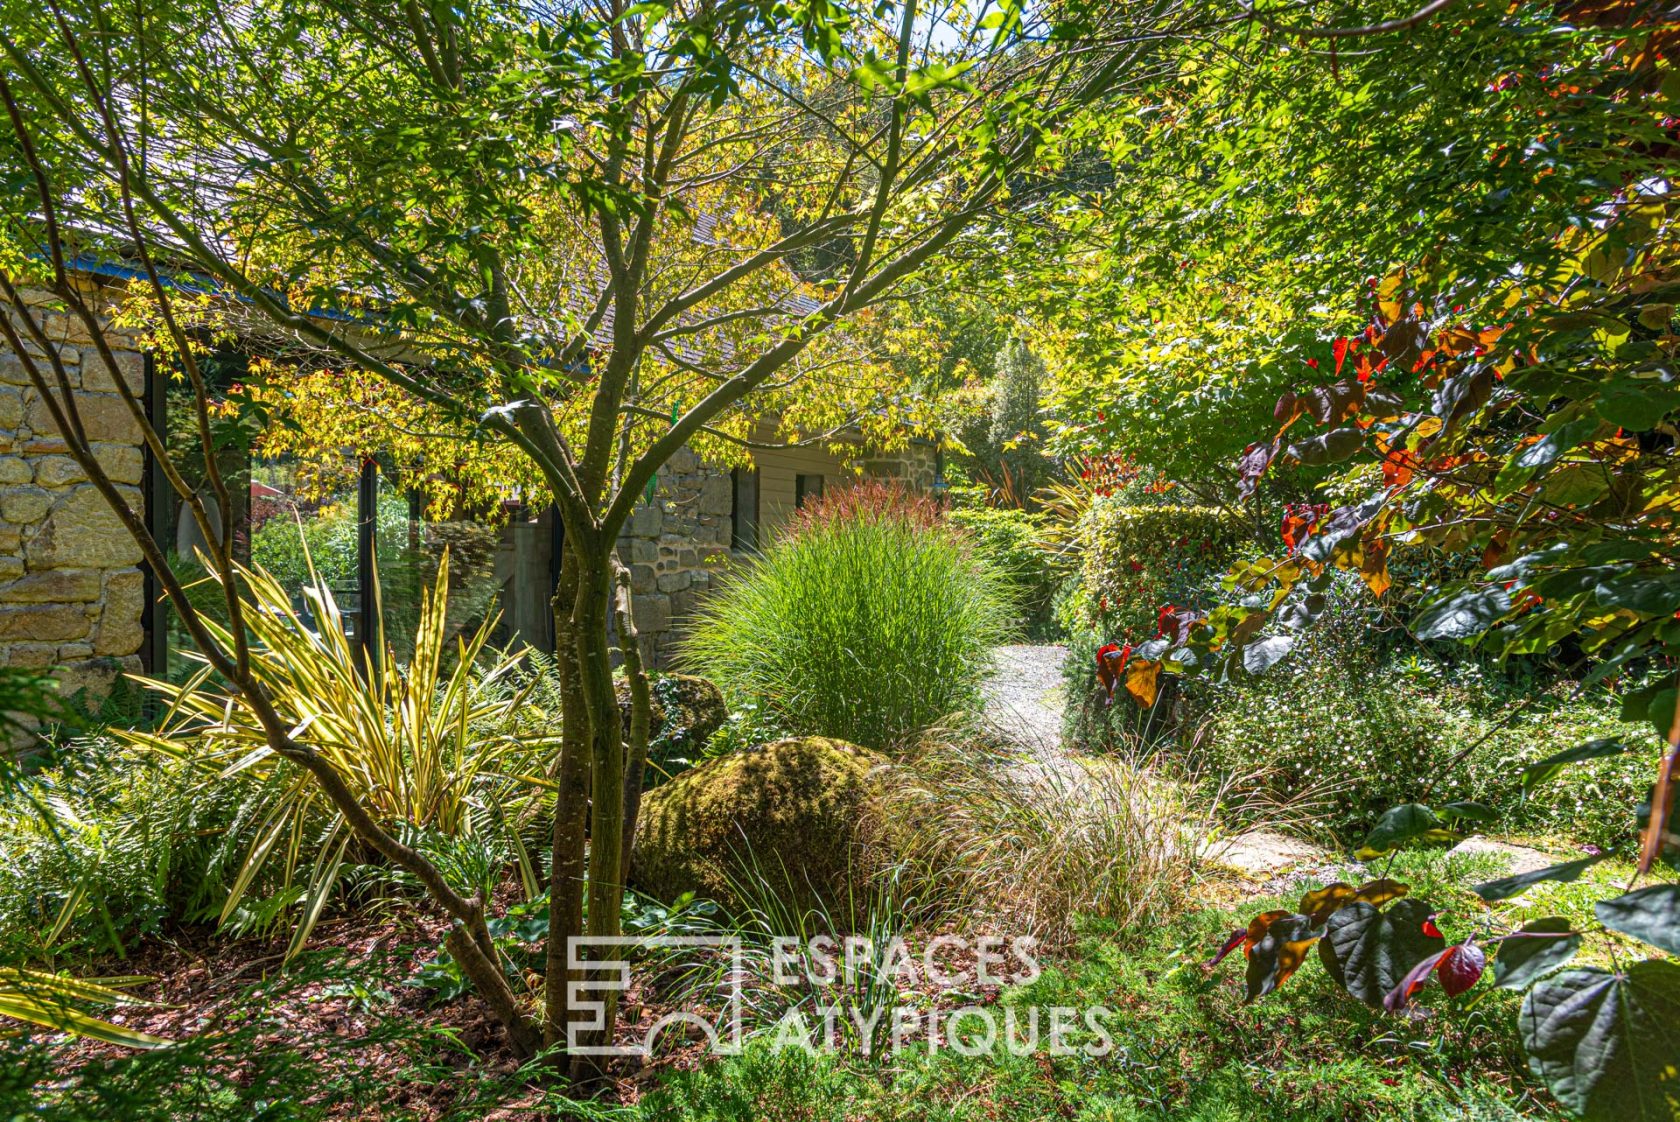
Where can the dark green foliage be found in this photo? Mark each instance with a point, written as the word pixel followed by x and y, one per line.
pixel 1506 887
pixel 1359 712
pixel 115 845
pixel 1368 950
pixel 1538 948
pixel 1608 1044
pixel 1651 914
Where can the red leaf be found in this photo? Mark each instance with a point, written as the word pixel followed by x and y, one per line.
pixel 1461 968
pixel 1111 660
pixel 1431 930
pixel 1256 458
pixel 1340 349
pixel 1416 978
pixel 1246 937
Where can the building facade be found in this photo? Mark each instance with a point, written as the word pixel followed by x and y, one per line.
pixel 74 595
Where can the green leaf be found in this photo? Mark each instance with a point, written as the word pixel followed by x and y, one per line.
pixel 1637 405
pixel 1608 1045
pixel 1466 811
pixel 1397 826
pixel 1495 890
pixel 1328 447
pixel 1466 613
pixel 45 999
pixel 1542 454
pixel 1651 914
pixel 1542 770
pixel 1262 654
pixel 1661 710
pixel 1537 948
pixel 1369 951
pixel 1642 593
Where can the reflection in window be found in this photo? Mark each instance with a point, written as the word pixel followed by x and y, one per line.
pixel 293 517
pixel 743 510
pixel 411 544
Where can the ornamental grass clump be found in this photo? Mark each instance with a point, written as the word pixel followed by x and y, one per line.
pixel 870 620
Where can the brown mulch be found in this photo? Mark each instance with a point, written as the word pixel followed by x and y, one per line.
pixel 203 985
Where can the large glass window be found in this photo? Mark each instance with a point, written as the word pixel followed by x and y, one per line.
pixel 743 511
pixel 347 520
pixel 411 545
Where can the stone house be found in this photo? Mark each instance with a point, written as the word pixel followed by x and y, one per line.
pixel 75 596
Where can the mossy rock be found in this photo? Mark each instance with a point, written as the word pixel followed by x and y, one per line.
pixel 799 809
pixel 686 712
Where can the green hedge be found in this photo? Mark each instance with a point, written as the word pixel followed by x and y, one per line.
pixel 1135 559
pixel 1007 539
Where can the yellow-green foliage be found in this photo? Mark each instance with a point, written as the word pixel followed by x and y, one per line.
pixel 793 812
pixel 422 745
pixel 1135 559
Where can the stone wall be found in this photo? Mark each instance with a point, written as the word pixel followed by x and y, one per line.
pixel 71 593
pixel 676 547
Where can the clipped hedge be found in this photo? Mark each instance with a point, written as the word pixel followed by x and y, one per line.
pixel 1136 559
pixel 1007 539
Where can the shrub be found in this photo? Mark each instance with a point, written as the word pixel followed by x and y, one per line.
pixel 1007 539
pixel 108 844
pixel 870 620
pixel 425 748
pixel 1136 559
pixel 1378 730
pixel 1093 723
pixel 685 712
pixel 794 811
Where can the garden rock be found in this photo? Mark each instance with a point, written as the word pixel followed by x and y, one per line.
pixel 1519 859
pixel 795 814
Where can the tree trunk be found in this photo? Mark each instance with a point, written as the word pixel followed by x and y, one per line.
pixel 641 715
pixel 606 820
pixel 571 812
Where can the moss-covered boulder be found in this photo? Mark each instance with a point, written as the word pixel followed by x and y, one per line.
pixel 686 712
pixel 798 810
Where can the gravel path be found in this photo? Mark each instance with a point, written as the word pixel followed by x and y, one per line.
pixel 1024 696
